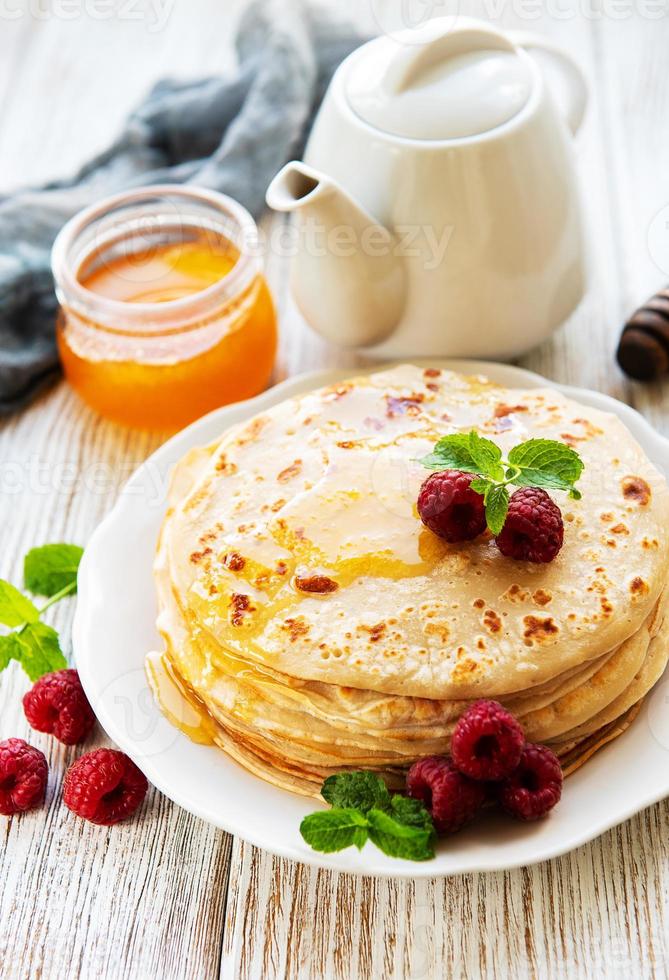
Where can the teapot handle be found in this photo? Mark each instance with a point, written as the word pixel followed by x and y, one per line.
pixel 577 88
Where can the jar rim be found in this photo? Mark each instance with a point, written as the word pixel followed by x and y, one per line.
pixel 75 294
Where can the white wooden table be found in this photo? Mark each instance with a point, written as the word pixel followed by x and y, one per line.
pixel 166 895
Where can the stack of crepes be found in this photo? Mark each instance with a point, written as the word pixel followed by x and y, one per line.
pixel 318 626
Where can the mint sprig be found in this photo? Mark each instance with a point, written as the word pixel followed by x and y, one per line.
pixel 49 571
pixel 362 810
pixel 535 463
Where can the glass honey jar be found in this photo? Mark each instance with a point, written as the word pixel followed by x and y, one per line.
pixel 164 311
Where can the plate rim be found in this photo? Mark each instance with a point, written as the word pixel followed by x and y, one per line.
pixel 193 435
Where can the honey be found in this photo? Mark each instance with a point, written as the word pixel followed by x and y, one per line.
pixel 165 273
pixel 165 313
pixel 185 713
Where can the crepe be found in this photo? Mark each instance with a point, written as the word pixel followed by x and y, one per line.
pixel 320 626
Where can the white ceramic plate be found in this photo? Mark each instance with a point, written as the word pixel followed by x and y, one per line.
pixel 115 627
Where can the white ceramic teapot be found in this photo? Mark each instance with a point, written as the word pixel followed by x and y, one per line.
pixel 438 209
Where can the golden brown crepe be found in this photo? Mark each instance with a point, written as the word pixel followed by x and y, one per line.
pixel 320 626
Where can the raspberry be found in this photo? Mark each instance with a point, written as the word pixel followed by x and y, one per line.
pixel 487 742
pixel 533 529
pixel 452 799
pixel 450 508
pixel 23 776
pixel 536 785
pixel 57 705
pixel 104 787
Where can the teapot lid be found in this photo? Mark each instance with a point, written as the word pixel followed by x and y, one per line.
pixel 442 83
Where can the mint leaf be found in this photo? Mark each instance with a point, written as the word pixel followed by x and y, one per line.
pixel 451 452
pixel 52 568
pixel 361 790
pixel 467 452
pixel 40 651
pixel 486 455
pixel 15 608
pixel 546 463
pixel 411 812
pixel 400 840
pixel 10 649
pixel 496 498
pixel 333 830
pixel 496 507
pixel 481 485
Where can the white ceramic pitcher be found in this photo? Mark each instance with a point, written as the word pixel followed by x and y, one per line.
pixel 437 208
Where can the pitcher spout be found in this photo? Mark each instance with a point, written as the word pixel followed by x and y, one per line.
pixel 347 278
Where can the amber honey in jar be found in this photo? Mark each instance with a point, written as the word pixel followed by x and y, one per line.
pixel 164 311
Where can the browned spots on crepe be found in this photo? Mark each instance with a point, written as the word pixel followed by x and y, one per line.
pixel 541 597
pixel 491 621
pixel 315 584
pixel 295 628
pixel 211 534
pixel 432 386
pixel 502 410
pixel 539 630
pixel 479 603
pixel 290 471
pixel 431 372
pixel 480 643
pixel 589 428
pixel 197 556
pixel 241 604
pixel 607 607
pixel 649 543
pixel 201 494
pixel 607 517
pixel 234 561
pixel 252 430
pixel 225 466
pixel 440 630
pixel 375 632
pixel 465 669
pixel 620 529
pixel 281 568
pixel 515 593
pixel 335 392
pixel 636 489
pixel 638 587
pixel 404 405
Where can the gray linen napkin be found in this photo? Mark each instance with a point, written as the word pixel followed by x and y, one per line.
pixel 231 133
